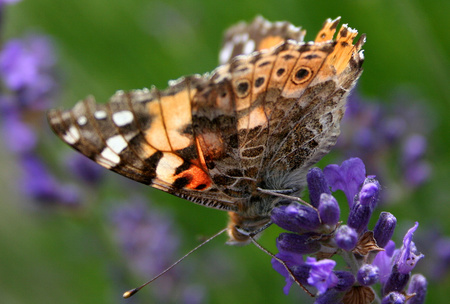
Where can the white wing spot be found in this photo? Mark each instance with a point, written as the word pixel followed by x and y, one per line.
pixel 108 158
pixel 122 118
pixel 100 114
pixel 117 143
pixel 225 53
pixel 82 120
pixel 249 47
pixel 72 135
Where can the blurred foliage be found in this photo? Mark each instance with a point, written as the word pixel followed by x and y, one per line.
pixel 106 45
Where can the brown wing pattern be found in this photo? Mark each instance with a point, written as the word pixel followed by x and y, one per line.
pixel 260 120
pixel 315 117
pixel 146 136
pixel 244 39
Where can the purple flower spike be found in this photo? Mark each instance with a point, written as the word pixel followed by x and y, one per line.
pixel 295 217
pixel 417 285
pixel 368 275
pixel 321 274
pixel 384 229
pixel 300 244
pixel 317 185
pixel 394 298
pixel 329 210
pixel 348 177
pixel 346 237
pixel 408 256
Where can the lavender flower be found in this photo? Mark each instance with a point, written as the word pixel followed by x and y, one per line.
pixel 384 229
pixel 146 237
pixel 150 243
pixel 8 1
pixel 317 185
pixel 321 274
pixel 408 256
pixel 346 237
pixel 39 184
pixel 368 275
pixel 368 261
pixel 348 177
pixel 84 168
pixel 394 298
pixel 26 68
pixel 418 288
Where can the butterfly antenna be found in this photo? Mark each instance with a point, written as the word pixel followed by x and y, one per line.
pixel 291 274
pixel 133 291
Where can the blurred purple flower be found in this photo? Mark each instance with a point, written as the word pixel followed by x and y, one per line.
pixel 382 134
pixel 84 168
pixel 8 1
pixel 146 237
pixel 26 66
pixel 18 136
pixel 39 184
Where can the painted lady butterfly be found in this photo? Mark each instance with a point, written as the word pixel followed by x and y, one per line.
pixel 236 137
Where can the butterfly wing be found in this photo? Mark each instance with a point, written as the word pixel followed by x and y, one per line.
pixel 260 120
pixel 244 39
pixel 146 136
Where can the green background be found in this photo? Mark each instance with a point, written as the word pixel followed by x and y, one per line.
pixel 106 45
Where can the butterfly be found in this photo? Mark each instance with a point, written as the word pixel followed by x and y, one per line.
pixel 234 138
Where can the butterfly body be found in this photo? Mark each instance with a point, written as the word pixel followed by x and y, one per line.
pixel 259 121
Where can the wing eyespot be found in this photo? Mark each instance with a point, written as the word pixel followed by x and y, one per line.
pixel 302 75
pixel 242 88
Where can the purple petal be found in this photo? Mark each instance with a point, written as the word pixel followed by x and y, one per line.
pixel 408 256
pixel 348 177
pixel 321 274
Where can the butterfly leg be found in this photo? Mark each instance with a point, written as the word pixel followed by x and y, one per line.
pixel 280 193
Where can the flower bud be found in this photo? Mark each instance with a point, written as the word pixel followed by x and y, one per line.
pixel 370 193
pixel 345 280
pixel 396 281
pixel 295 217
pixel 317 185
pixel 368 275
pixel 300 244
pixel 359 217
pixel 384 228
pixel 346 237
pixel 394 298
pixel 418 286
pixel 329 210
